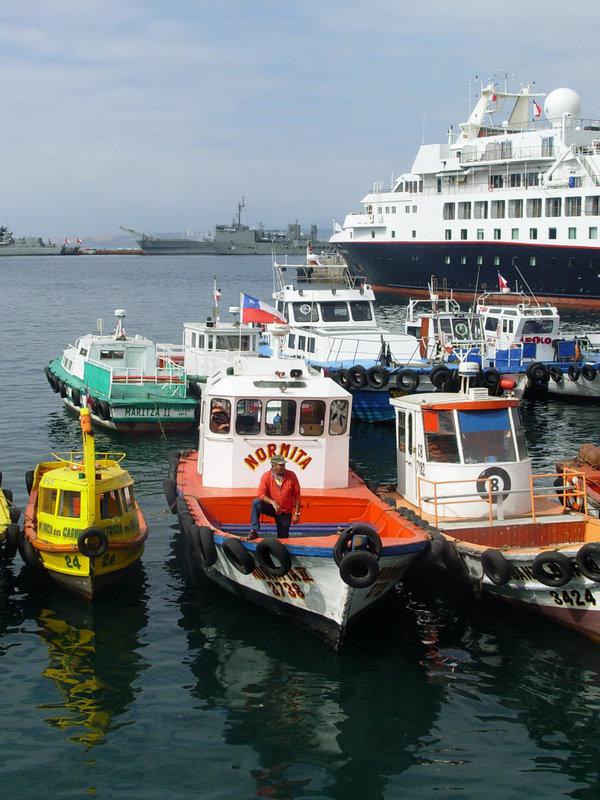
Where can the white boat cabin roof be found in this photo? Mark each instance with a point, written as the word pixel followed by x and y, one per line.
pixel 475 399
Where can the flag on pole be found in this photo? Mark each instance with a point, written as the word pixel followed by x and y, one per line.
pixel 254 310
pixel 79 241
pixel 537 110
pixel 216 292
pixel 67 241
pixel 502 282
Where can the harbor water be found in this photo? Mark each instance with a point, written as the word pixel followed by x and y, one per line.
pixel 169 688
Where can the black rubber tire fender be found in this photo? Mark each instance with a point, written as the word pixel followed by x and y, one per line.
pixel 496 566
pixel 273 557
pixel 238 556
pixel 102 410
pixel 170 490
pixel 589 372
pixel 52 380
pixel 490 378
pixel 429 557
pixel 344 379
pixel 76 396
pixel 588 561
pixel 341 550
pixel 538 373
pixel 11 540
pixel 378 377
pixel 408 380
pixel 62 389
pixel 440 377
pixel 29 554
pixel 29 480
pixel 359 569
pixel 8 494
pixel 453 561
pixel 556 374
pixel 92 543
pixel 357 376
pixel 574 373
pixel 207 545
pixel 194 390
pixel 173 459
pixel 14 513
pixel 562 569
pixel 184 516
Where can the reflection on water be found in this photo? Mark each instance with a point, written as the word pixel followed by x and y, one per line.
pixel 93 660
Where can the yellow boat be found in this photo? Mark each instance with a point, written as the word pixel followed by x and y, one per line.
pixel 82 524
pixel 9 528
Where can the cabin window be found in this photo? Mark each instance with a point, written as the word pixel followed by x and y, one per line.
pixel 534 207
pixel 537 326
pixel 463 233
pixel 507 326
pixel 312 417
pixel 244 343
pixel 67 363
pixel 361 311
pixel 110 505
pixel 111 354
pixel 552 233
pixel 334 312
pixel 401 426
pixel 448 234
pixel 311 345
pixel 302 343
pixel 491 324
pixel 514 233
pixel 497 233
pixel 515 209
pixel 553 206
pixel 338 417
pixel 291 341
pixel 592 205
pixel 127 498
pixel 280 417
pixel 572 233
pixel 247 417
pixel 193 340
pixel 498 209
pixel 440 437
pixel 533 233
pixel 486 436
pixel 572 206
pixel 69 504
pixel 449 210
pixel 47 501
pixel 593 233
pixel 83 351
pixel 220 415
pixel 519 433
pixel 481 209
pixel 305 312
pixel 480 233
pixel 464 210
pixel 227 342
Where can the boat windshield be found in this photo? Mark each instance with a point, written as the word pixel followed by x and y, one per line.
pixel 336 311
pixel 486 436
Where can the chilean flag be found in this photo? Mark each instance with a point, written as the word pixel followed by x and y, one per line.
pixel 502 282
pixel 537 110
pixel 254 310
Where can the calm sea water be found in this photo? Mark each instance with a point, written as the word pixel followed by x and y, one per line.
pixel 168 688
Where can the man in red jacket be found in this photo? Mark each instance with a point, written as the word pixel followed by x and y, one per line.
pixel 278 496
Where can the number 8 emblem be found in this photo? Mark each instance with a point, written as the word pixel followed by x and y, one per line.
pixel 495 479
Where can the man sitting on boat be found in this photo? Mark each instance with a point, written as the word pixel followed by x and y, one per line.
pixel 278 497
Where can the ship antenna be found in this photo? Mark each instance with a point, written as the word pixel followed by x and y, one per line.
pixel 529 289
pixel 240 206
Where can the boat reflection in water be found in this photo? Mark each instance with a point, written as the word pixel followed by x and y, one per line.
pixel 93 660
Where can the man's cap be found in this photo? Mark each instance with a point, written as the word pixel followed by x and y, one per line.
pixel 277 460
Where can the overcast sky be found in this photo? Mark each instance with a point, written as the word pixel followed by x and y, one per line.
pixel 161 114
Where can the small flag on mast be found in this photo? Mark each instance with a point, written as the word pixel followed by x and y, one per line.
pixel 502 282
pixel 216 292
pixel 537 110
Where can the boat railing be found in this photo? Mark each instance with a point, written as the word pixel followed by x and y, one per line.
pixel 322 275
pixel 570 495
pixel 74 458
pixel 169 373
pixel 169 354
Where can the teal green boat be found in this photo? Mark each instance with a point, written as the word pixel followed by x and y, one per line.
pixel 129 383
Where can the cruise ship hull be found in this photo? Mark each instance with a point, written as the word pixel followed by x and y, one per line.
pixel 565 276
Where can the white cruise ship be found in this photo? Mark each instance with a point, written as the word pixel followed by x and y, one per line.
pixel 514 196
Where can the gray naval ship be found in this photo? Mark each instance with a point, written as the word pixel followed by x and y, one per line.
pixel 235 239
pixel 32 245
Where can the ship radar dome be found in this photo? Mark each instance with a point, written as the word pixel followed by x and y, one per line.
pixel 562 101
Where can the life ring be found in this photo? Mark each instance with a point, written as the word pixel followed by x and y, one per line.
pixel 11 540
pixel 588 561
pixel 538 373
pixel 102 409
pixel 194 390
pixel 561 569
pixel 556 374
pixel 440 377
pixel 408 380
pixel 359 569
pixel 496 566
pixel 343 379
pixel 378 377
pixel 370 540
pixel 76 396
pixel 357 376
pixel 29 480
pixel 567 489
pixel 92 543
pixel 573 372
pixel 453 561
pixel 238 556
pixel 170 490
pixel 490 378
pixel 273 557
pixel 589 372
